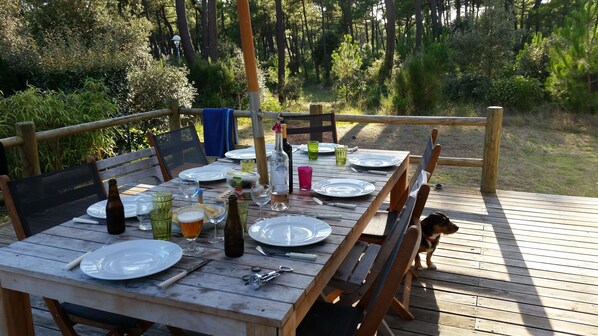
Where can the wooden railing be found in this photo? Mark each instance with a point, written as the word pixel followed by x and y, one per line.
pixel 27 138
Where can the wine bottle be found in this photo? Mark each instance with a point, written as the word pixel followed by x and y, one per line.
pixel 115 210
pixel 287 148
pixel 234 243
pixel 279 173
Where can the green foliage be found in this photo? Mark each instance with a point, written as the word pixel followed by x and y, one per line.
pixel 484 45
pixel 55 109
pixel 574 61
pixel 417 83
pixel 516 92
pixel 220 84
pixel 532 60
pixel 467 87
pixel 346 68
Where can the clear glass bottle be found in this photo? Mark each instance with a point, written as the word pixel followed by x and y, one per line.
pixel 287 148
pixel 279 173
pixel 234 242
pixel 115 210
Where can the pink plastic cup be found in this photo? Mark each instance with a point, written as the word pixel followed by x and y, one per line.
pixel 304 177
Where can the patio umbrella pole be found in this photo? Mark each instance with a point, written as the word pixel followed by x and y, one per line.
pixel 253 88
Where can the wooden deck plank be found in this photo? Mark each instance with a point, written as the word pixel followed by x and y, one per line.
pixel 521 264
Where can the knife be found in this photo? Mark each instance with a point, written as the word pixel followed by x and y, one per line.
pixel 183 274
pixel 294 255
pixel 340 205
pixel 85 221
pixel 329 216
pixel 352 150
pixel 378 172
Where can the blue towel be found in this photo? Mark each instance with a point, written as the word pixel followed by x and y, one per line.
pixel 219 131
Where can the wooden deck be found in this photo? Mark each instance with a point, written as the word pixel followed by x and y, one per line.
pixel 521 264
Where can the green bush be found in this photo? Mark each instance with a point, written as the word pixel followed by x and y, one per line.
pixel 55 109
pixel 220 84
pixel 516 92
pixel 467 87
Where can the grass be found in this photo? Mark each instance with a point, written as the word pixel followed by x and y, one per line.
pixel 547 152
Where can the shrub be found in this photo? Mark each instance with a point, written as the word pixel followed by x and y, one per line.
pixel 516 92
pixel 55 109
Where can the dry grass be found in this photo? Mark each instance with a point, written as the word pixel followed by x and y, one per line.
pixel 545 152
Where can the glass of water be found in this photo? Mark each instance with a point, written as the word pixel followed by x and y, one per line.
pixel 144 206
pixel 261 195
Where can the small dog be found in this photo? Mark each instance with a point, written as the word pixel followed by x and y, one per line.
pixel 433 226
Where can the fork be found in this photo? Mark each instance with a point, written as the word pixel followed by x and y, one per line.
pixel 77 261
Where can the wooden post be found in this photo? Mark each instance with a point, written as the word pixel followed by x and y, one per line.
pixel 491 149
pixel 28 151
pixel 174 119
pixel 315 109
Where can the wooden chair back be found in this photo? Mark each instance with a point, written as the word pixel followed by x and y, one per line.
pixel 429 158
pixel 130 169
pixel 3 161
pixel 40 202
pixel 178 150
pixel 316 125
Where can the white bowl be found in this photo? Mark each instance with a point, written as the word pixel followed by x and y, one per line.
pixel 248 178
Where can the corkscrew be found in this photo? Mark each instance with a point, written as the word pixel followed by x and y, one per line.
pixel 257 280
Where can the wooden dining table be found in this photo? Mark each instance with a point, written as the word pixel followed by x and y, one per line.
pixel 214 299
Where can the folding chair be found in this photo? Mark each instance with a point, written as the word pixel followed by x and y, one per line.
pixel 178 150
pixel 381 224
pixel 316 125
pixel 367 316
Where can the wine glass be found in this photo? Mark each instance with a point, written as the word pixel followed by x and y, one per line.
pixel 190 222
pixel 261 195
pixel 143 207
pixel 188 188
pixel 215 213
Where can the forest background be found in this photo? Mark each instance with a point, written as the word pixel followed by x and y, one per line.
pixel 66 62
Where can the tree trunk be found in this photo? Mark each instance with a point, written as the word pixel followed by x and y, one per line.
pixel 419 26
pixel 181 20
pixel 435 20
pixel 280 44
pixel 169 28
pixel 205 36
pixel 212 31
pixel 310 41
pixel 390 39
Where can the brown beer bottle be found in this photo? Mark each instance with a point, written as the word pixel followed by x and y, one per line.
pixel 115 210
pixel 234 243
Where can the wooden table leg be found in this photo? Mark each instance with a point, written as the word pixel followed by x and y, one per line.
pixel 16 318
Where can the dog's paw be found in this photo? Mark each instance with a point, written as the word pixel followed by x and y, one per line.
pixel 432 266
pixel 418 267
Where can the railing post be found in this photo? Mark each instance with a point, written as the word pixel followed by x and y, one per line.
pixel 491 149
pixel 174 119
pixel 28 151
pixel 315 109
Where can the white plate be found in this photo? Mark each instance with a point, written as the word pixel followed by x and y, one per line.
pixel 204 174
pixel 131 259
pixel 290 231
pixel 247 153
pixel 98 210
pixel 323 147
pixel 343 187
pixel 374 161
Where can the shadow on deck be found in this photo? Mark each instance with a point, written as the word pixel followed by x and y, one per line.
pixel 521 264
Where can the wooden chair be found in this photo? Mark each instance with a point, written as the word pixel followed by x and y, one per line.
pixel 381 224
pixel 366 260
pixel 138 170
pixel 316 125
pixel 3 161
pixel 367 316
pixel 178 150
pixel 40 202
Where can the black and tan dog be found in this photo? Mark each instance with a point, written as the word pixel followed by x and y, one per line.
pixel 433 226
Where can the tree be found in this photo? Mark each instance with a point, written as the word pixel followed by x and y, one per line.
pixel 181 16
pixel 390 39
pixel 573 66
pixel 346 67
pixel 280 44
